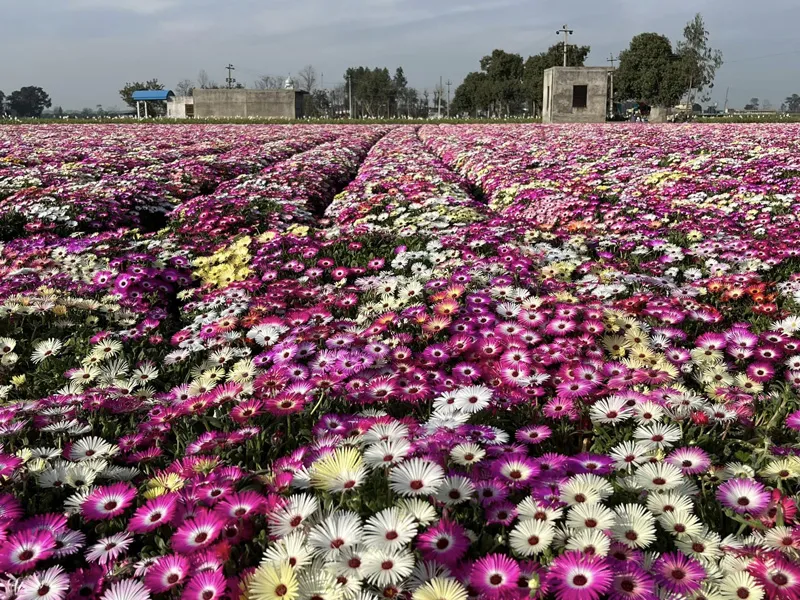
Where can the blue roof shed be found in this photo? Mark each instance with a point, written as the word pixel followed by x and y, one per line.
pixel 152 95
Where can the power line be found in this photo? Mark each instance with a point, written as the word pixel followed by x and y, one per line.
pixel 729 62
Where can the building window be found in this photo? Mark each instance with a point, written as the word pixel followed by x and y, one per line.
pixel 580 94
pixel 547 99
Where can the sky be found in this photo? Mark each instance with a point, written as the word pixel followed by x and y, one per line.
pixel 83 51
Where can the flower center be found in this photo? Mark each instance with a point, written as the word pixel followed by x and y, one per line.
pixel 678 574
pixel 580 580
pixel 496 579
pixel 780 579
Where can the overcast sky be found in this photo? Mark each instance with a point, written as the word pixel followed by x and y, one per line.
pixel 83 51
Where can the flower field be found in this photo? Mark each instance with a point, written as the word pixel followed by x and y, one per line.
pixel 346 362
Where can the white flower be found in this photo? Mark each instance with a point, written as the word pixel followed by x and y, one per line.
pixel 91 448
pixel 467 454
pixel 44 585
pixel 340 530
pixel 634 526
pixel 383 568
pixel 610 410
pixel 390 529
pixel 589 541
pixel 473 398
pixel 416 477
pixel 585 488
pixel 45 350
pixel 658 476
pixel 531 537
pixel 590 516
pixel 740 586
pixel 657 435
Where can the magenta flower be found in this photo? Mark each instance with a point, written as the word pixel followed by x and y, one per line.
pixel 197 533
pixel 743 496
pixel 495 576
pixel 632 583
pixel 678 573
pixel 445 542
pixel 167 573
pixel 155 512
pixel 578 576
pixel 205 585
pixel 108 501
pixel 21 551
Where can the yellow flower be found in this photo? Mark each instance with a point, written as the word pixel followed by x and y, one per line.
pixel 18 380
pixel 273 582
pixel 441 588
pixel 340 471
pixel 170 481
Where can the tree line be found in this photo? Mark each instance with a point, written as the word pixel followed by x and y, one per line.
pixel 27 102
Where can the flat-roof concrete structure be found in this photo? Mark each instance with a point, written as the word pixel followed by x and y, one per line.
pixel 575 95
pixel 263 104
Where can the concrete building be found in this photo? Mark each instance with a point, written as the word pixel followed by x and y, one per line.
pixel 575 95
pixel 180 107
pixel 264 104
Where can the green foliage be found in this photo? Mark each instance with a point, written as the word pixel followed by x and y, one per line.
pixel 373 91
pixel 792 103
pixel 29 101
pixel 699 63
pixel 649 71
pixel 535 66
pixel 154 109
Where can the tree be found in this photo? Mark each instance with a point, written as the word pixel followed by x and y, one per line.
pixel 401 91
pixel 204 82
pixel 472 95
pixel 649 71
pixel 268 82
pixel 793 103
pixel 317 104
pixel 154 109
pixel 699 63
pixel 2 103
pixel 373 91
pixel 308 79
pixel 534 68
pixel 185 87
pixel 753 104
pixel 29 101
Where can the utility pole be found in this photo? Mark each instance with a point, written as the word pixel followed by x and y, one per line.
pixel 350 95
pixel 725 108
pixel 441 93
pixel 230 80
pixel 567 33
pixel 449 83
pixel 612 60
